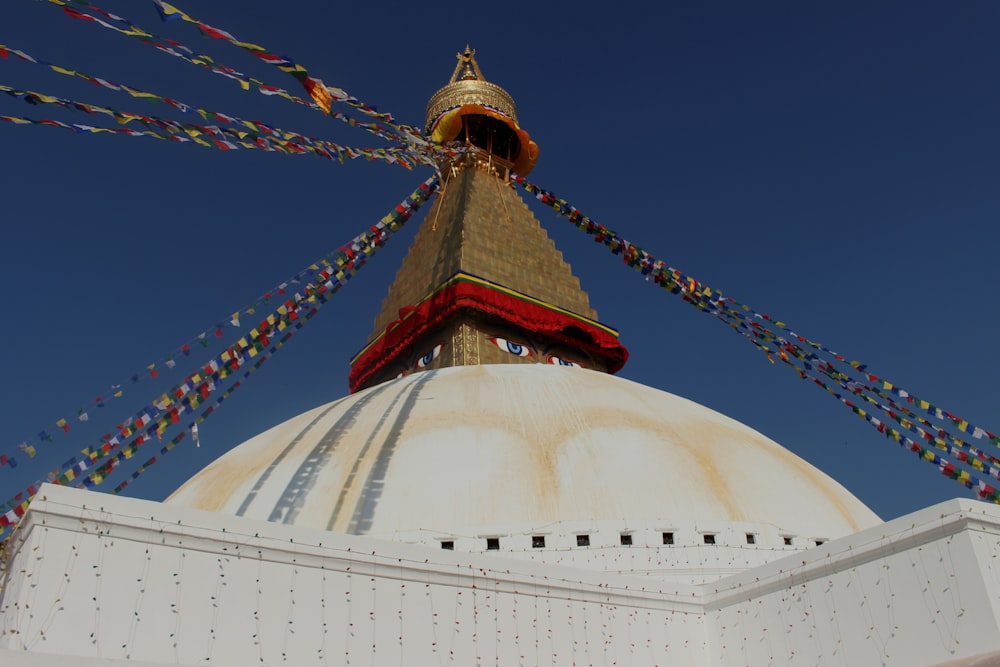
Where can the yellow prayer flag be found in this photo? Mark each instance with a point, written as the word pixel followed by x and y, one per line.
pixel 123 117
pixel 173 12
pixel 138 93
pixel 136 32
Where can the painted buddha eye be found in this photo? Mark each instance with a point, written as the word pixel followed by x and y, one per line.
pixel 563 362
pixel 429 357
pixel 510 346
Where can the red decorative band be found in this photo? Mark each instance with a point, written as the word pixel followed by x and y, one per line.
pixel 464 291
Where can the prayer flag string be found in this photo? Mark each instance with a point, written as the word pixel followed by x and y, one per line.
pixel 28 446
pixel 782 349
pixel 301 307
pixel 322 94
pixel 786 345
pixel 153 420
pixel 173 48
pixel 5 52
pixel 192 426
pixel 812 363
pixel 317 90
pixel 260 137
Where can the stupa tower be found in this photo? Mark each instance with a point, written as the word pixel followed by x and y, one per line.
pixel 482 283
pixel 487 432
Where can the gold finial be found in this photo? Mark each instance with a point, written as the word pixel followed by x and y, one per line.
pixel 467 69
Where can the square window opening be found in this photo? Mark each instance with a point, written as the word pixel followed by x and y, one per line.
pixel 787 540
pixel 709 538
pixel 492 543
pixel 668 538
pixel 626 539
pixel 448 544
pixel 583 540
pixel 537 541
pixel 751 538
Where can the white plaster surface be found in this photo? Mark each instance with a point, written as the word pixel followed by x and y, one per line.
pixel 463 447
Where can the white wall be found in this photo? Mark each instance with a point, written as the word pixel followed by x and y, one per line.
pixel 102 577
pixel 916 591
pixel 191 587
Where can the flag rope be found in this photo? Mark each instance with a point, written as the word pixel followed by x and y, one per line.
pixel 27 446
pixel 322 95
pixel 184 107
pixel 754 326
pixel 261 137
pixel 150 423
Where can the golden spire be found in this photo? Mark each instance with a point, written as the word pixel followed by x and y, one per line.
pixel 482 283
pixel 472 110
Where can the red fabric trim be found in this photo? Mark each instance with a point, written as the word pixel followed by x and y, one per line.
pixel 416 321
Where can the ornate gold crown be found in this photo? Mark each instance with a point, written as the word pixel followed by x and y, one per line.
pixel 468 86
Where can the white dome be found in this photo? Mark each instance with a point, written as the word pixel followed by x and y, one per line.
pixel 518 444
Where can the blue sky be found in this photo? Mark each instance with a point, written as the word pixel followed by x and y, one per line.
pixel 834 165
